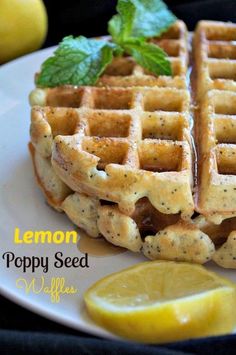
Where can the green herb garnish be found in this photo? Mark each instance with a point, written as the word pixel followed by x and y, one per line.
pixel 80 61
pixel 77 61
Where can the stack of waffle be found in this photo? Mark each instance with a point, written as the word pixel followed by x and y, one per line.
pixel 118 158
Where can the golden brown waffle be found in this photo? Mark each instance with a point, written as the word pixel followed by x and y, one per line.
pixel 125 72
pixel 215 75
pixel 215 68
pixel 215 54
pixel 121 145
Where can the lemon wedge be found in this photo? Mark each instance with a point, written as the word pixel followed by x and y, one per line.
pixel 163 301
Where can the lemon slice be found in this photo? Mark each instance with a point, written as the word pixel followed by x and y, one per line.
pixel 163 301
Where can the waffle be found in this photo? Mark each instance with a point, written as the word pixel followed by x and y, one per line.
pixel 175 239
pixel 126 143
pixel 215 70
pixel 118 146
pixel 214 79
pixel 215 54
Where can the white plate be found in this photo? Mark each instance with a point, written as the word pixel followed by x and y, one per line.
pixel 22 205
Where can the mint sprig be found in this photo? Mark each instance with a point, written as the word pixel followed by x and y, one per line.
pixel 120 26
pixel 80 61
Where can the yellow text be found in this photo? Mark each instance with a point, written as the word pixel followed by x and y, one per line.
pixel 55 289
pixel 42 237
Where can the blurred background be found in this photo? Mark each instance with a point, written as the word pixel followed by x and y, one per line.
pixel 27 25
pixel 90 17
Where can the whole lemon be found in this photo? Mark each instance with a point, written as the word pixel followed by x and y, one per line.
pixel 23 27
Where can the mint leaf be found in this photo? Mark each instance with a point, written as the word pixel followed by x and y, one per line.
pixel 152 18
pixel 140 18
pixel 114 28
pixel 149 56
pixel 77 61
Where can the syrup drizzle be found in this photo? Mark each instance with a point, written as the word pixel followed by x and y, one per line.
pixel 97 246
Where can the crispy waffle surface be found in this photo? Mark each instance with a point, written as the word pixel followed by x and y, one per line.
pixel 118 158
pixel 215 56
pixel 215 75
